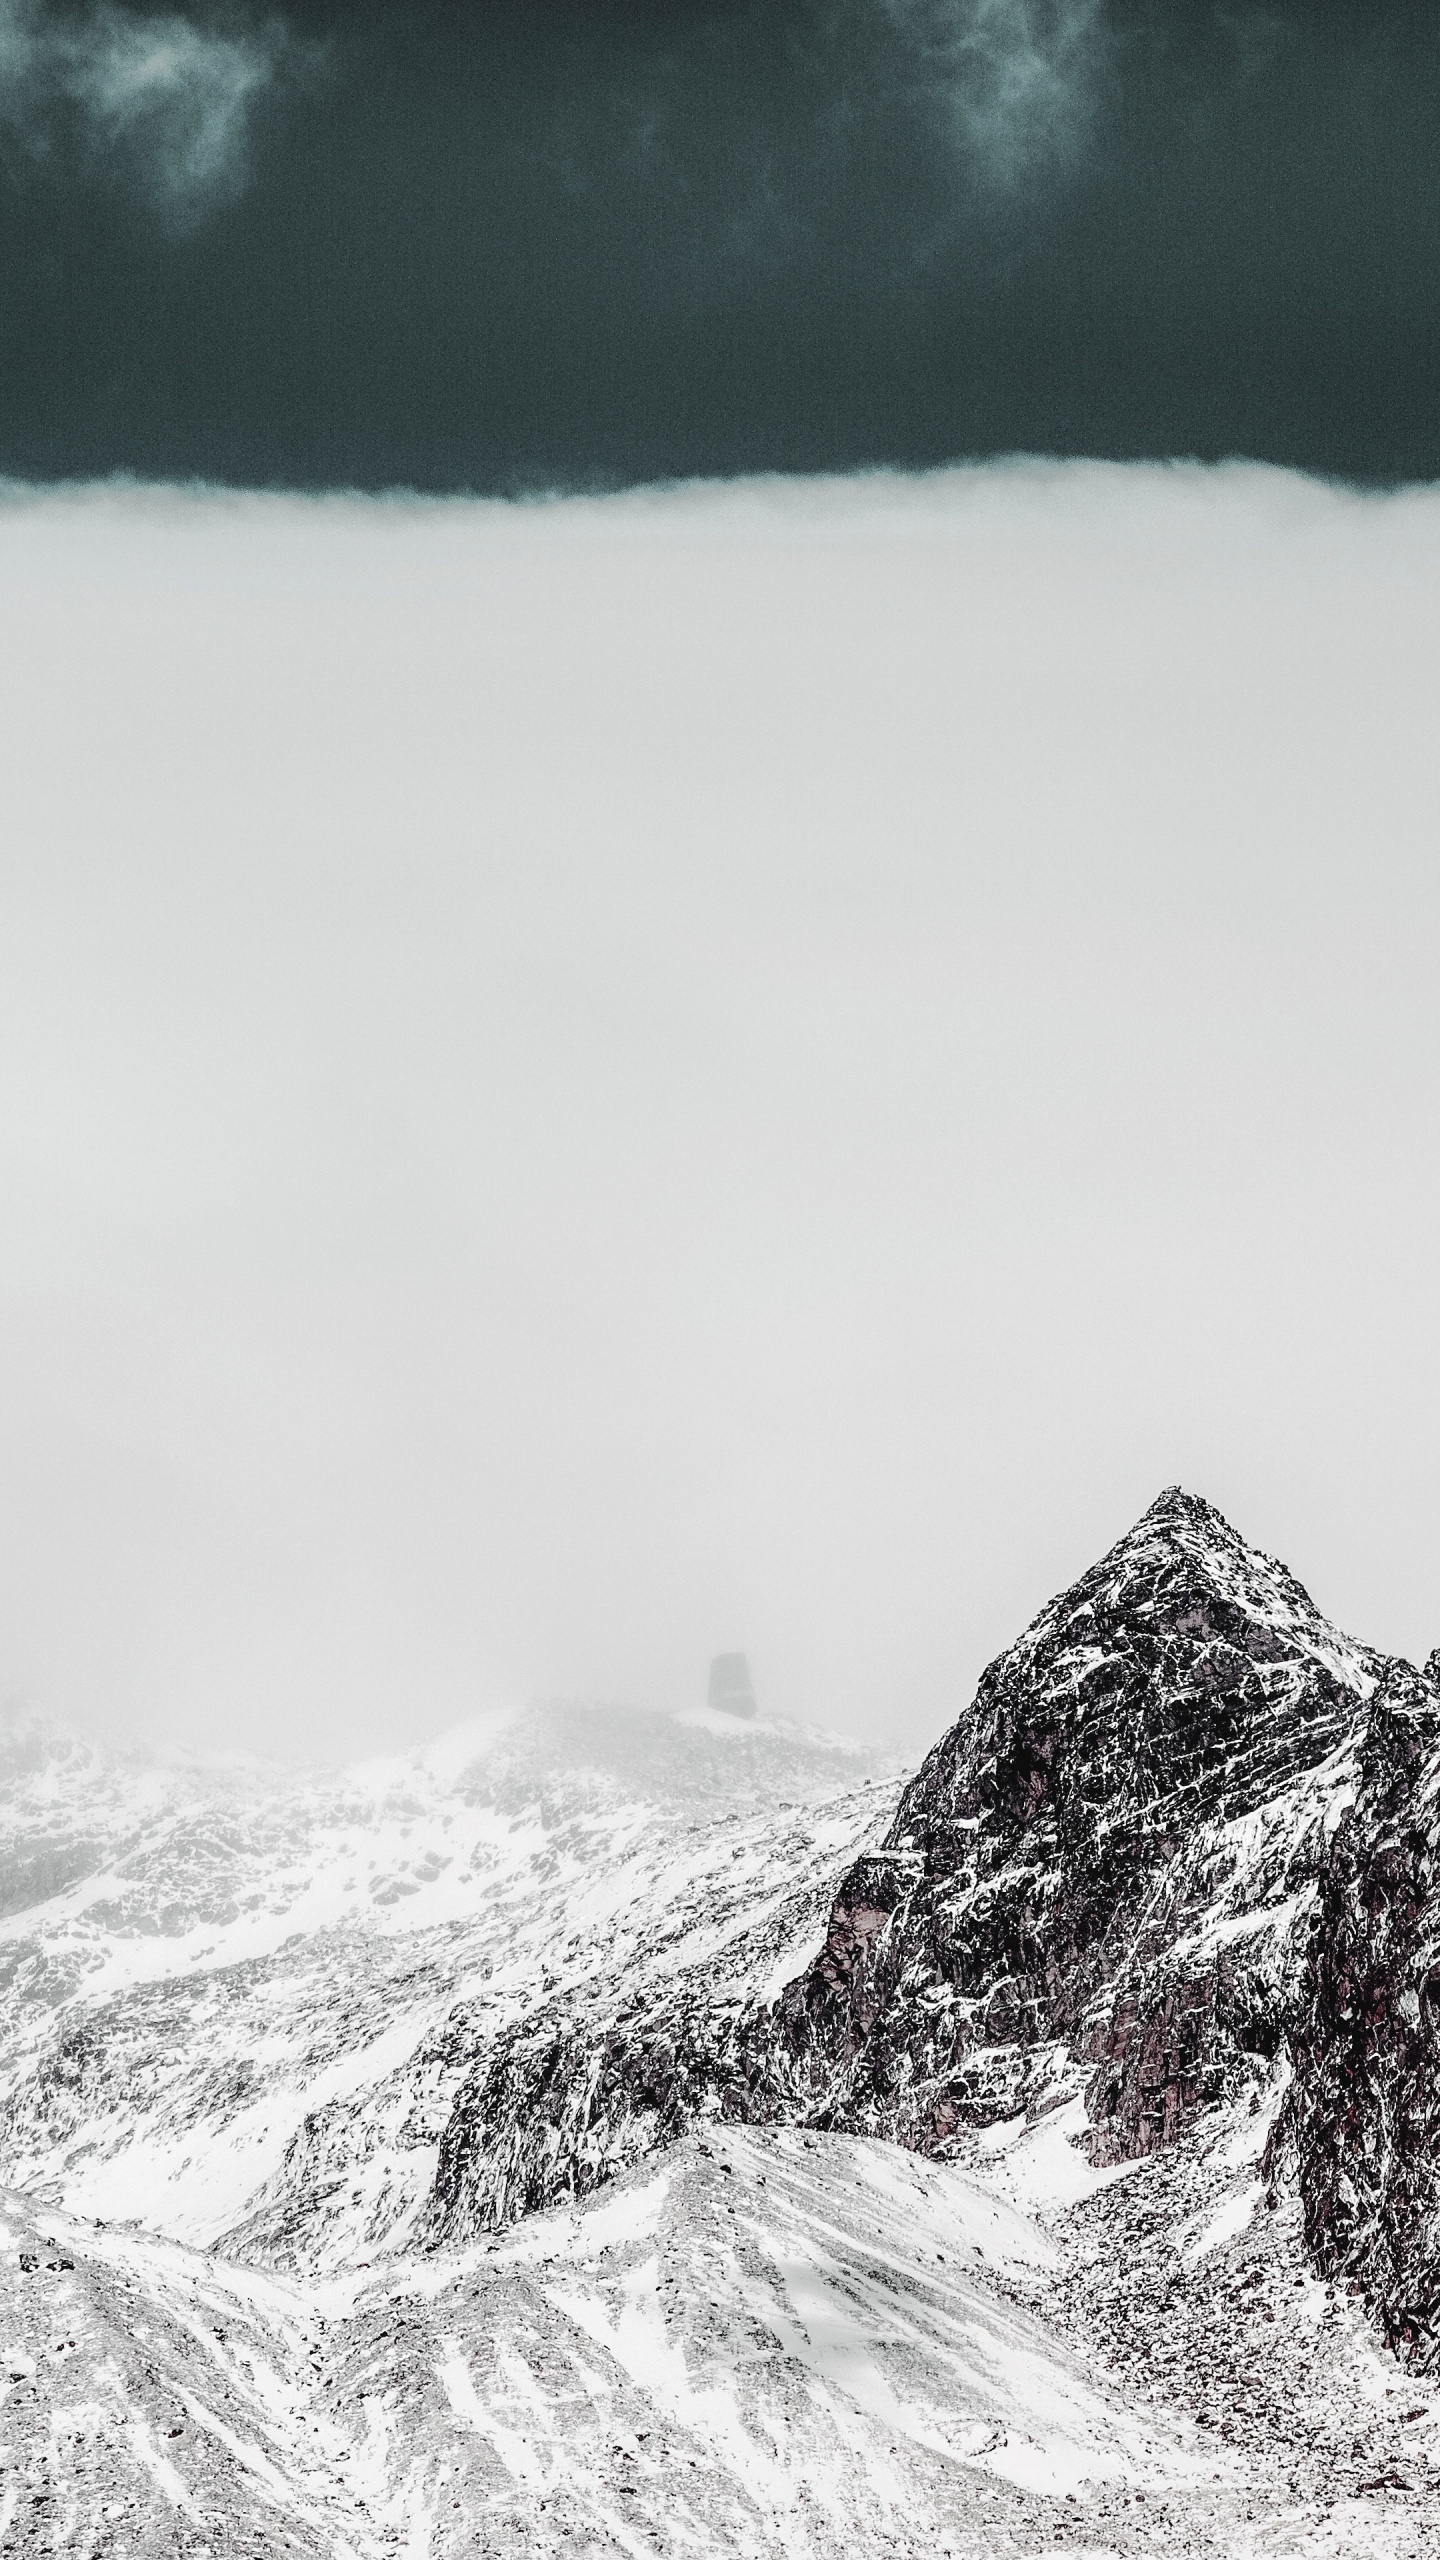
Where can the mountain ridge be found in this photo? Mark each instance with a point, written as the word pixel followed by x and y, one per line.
pixel 596 2133
pixel 255 1979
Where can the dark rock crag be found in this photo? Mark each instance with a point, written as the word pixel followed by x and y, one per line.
pixel 1102 1880
pixel 1099 1876
pixel 1361 2125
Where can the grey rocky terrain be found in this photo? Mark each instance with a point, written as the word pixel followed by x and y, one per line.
pixel 244 2018
pixel 605 2133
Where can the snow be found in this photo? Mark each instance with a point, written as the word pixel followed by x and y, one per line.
pixel 197 2184
pixel 1232 2217
pixel 313 1936
pixel 793 1960
pixel 786 2342
pixel 464 2399
pixel 1040 2166
pixel 161 2469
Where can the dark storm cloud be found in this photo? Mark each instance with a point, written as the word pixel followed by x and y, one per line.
pixel 609 240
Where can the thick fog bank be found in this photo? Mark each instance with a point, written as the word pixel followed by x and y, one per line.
pixel 589 1084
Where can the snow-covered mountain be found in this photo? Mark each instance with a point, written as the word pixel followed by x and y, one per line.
pixel 243 2016
pixel 1100 1881
pixel 605 2132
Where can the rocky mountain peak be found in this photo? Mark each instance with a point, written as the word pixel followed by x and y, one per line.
pixel 1103 1799
pixel 1180 1679
pixel 1098 1883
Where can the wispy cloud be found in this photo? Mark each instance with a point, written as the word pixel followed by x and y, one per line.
pixel 166 99
pixel 1015 80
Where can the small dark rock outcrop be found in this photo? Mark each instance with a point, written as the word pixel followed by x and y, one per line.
pixel 731 1690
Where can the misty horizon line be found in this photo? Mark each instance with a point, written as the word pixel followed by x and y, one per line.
pixel 519 494
pixel 134 1738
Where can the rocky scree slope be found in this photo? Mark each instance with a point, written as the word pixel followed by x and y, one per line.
pixel 755 2343
pixel 236 2002
pixel 1101 1881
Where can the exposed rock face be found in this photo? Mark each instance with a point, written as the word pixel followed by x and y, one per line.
pixel 1101 1878
pixel 1362 2123
pixel 1187 1833
pixel 1103 1865
pixel 572 2095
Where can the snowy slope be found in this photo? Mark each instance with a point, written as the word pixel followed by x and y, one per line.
pixel 756 2343
pixel 249 2007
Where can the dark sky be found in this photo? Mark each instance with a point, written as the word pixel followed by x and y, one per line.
pixel 450 245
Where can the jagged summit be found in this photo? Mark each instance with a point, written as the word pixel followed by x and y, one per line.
pixel 1183 1539
pixel 1148 1763
pixel 1182 1676
pixel 1182 1551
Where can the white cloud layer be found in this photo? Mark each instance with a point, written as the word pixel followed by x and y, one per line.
pixel 165 99
pixel 584 1085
